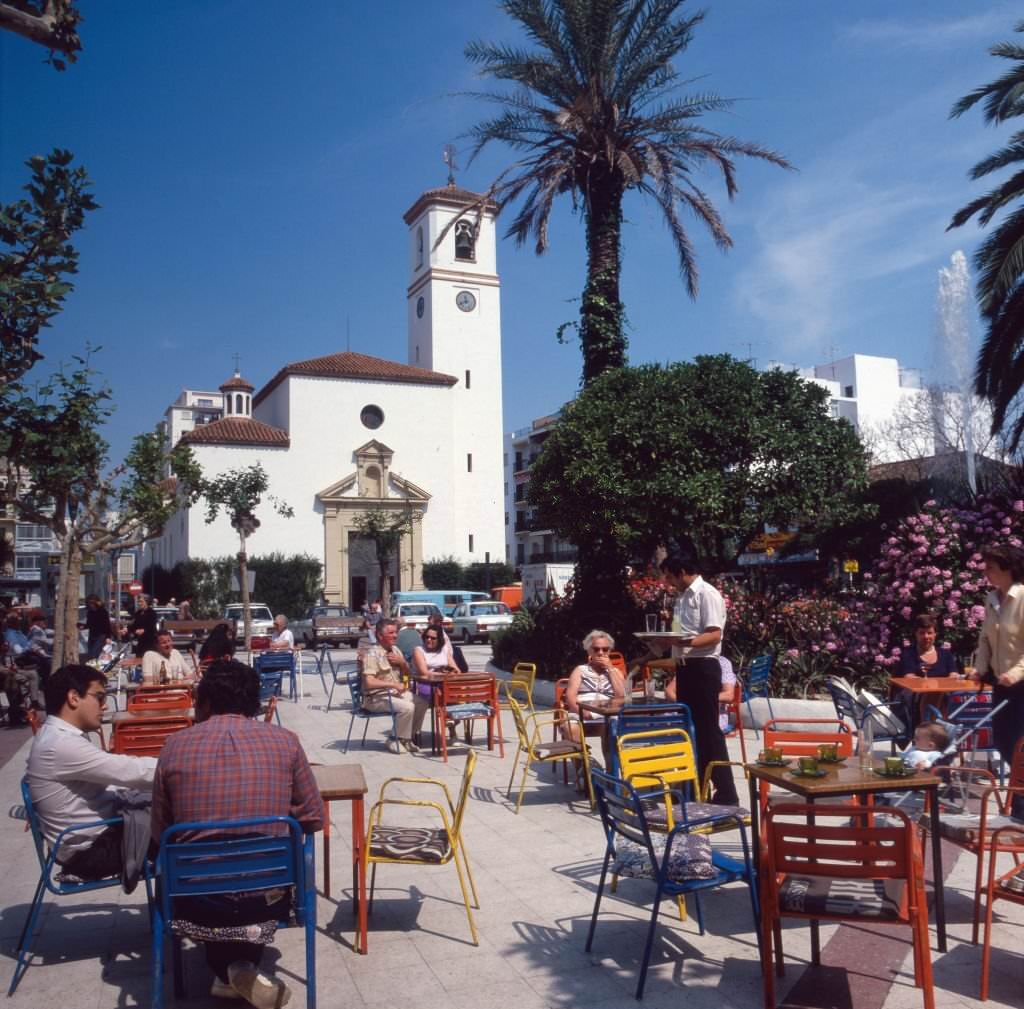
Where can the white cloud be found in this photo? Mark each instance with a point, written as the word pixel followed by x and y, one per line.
pixel 932 34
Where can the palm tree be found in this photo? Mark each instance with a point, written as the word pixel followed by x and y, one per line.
pixel 999 261
pixel 595 114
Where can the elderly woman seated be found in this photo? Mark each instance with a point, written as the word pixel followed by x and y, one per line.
pixel 597 678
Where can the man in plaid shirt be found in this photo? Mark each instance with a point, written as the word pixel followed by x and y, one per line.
pixel 229 767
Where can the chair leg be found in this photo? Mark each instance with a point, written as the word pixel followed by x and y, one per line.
pixel 767 974
pixel 348 738
pixel 366 728
pixel 511 777
pixel 179 979
pixel 469 874
pixel 522 785
pixel 647 949
pixel 373 882
pixel 465 900
pixel 977 895
pixel 25 941
pixel 597 901
pixel 157 975
pixel 700 911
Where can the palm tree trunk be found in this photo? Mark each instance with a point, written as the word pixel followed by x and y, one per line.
pixel 601 338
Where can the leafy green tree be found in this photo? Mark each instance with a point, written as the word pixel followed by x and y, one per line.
pixel 710 451
pixel 238 493
pixel 481 577
pixel 288 585
pixel 55 473
pixel 386 529
pixel 37 259
pixel 596 112
pixel 999 260
pixel 443 573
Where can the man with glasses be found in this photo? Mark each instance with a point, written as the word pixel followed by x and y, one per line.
pixel 73 781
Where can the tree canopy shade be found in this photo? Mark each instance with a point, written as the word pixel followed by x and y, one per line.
pixel 999 260
pixel 709 450
pixel 37 258
pixel 596 113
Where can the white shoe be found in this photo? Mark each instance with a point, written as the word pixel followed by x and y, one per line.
pixel 395 747
pixel 223 989
pixel 410 746
pixel 256 988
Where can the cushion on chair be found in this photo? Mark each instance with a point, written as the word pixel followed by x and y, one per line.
pixel 963 828
pixel 863 898
pixel 654 810
pixel 416 844
pixel 474 709
pixel 691 858
pixel 557 748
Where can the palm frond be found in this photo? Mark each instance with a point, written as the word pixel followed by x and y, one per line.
pixel 1000 263
pixel 1013 152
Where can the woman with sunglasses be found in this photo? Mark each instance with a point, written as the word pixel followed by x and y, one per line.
pixel 434 655
pixel 595 680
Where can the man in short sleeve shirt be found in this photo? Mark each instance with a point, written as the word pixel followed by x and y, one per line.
pixel 700 611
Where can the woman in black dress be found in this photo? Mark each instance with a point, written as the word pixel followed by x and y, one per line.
pixel 143 626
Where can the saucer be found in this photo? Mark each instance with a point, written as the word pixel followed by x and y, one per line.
pixel 828 760
pixel 905 772
pixel 797 773
pixel 773 763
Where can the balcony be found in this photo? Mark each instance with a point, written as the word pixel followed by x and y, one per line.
pixel 554 557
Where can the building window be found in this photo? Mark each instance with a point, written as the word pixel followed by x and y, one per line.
pixel 27 532
pixel 833 408
pixel 467 378
pixel 506 518
pixel 238 404
pixel 465 243
pixel 227 400
pixel 848 392
pixel 520 553
pixel 26 564
pixel 204 402
pixel 419 247
pixel 470 542
pixel 469 462
pixel 417 353
pixel 372 417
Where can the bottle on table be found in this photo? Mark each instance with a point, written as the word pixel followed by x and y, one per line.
pixel 163 673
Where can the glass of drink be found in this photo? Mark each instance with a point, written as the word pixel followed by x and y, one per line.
pixel 651 622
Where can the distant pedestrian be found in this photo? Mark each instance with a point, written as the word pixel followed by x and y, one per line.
pixel 97 624
pixel 185 609
pixel 143 628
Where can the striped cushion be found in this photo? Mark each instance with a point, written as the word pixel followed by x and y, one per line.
pixel 654 809
pixel 475 709
pixel 863 898
pixel 415 844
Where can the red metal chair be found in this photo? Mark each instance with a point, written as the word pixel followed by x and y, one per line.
pixel 830 870
pixel 145 737
pixel 468 699
pixel 798 743
pixel 734 709
pixel 174 699
pixel 1006 839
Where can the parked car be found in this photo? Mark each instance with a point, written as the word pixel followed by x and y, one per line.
pixel 478 621
pixel 328 624
pixel 416 615
pixel 166 613
pixel 262 618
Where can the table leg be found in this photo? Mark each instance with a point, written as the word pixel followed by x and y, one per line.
pixel 359 875
pixel 940 899
pixel 327 849
pixel 815 927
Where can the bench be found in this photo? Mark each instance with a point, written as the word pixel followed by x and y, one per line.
pixel 188 632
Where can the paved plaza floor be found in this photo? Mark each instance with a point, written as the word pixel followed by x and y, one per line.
pixel 536 874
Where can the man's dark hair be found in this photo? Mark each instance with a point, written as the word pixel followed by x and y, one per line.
pixel 1008 558
pixel 71 677
pixel 229 687
pixel 682 560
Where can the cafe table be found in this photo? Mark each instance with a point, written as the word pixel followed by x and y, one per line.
pixel 921 686
pixel 848 778
pixel 603 710
pixel 346 783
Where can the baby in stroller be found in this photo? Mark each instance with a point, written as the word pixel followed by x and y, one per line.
pixel 929 746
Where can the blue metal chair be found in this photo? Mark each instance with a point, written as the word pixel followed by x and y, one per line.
pixel 757 683
pixel 678 863
pixel 283 663
pixel 323 657
pixel 270 686
pixel 232 864
pixel 646 718
pixel 355 688
pixel 338 676
pixel 50 881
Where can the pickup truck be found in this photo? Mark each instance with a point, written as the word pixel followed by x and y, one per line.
pixel 330 624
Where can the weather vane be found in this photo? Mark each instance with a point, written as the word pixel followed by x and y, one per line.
pixel 449 159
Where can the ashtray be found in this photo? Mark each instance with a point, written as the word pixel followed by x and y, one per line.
pixel 903 772
pixel 797 773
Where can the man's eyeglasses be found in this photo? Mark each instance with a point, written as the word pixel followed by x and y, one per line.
pixel 600 648
pixel 99 695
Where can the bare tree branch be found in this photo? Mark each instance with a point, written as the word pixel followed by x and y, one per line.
pixel 53 24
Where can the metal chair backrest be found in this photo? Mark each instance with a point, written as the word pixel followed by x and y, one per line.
pixel 659 759
pixel 524 672
pixel 468 690
pixel 268 715
pixel 622 812
pixel 163 700
pixel 520 722
pixel 839 842
pixel 146 738
pixel 618 660
pixel 560 687
pixel 271 662
pixel 648 718
pixel 847 706
pixel 759 675
pixel 354 679
pixel 270 684
pixel 460 805
pixel 33 719
pixel 805 742
pixel 33 825
pixel 259 642
pixel 972 711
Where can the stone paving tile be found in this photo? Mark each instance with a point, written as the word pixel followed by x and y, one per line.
pixel 536 875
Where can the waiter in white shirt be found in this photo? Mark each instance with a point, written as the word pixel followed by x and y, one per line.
pixel 700 612
pixel 73 781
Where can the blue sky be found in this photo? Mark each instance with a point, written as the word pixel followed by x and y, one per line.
pixel 253 161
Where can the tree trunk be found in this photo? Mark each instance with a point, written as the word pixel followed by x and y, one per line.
pixel 65 624
pixel 385 590
pixel 602 340
pixel 243 585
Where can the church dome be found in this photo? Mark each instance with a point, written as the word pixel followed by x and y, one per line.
pixel 237 383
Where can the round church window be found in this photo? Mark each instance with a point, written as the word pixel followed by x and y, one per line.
pixel 372 417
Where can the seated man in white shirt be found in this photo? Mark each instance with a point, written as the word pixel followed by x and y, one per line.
pixel 165 658
pixel 72 781
pixel 283 640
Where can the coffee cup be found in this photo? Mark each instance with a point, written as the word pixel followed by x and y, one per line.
pixel 808 765
pixel 773 755
pixel 828 751
pixel 893 765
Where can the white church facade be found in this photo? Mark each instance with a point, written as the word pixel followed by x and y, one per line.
pixel 347 433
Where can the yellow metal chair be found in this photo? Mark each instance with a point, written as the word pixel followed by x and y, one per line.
pixel 401 844
pixel 524 675
pixel 528 730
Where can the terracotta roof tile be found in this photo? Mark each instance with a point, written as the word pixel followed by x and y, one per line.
pixel 237 431
pixel 237 382
pixel 453 195
pixel 349 364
